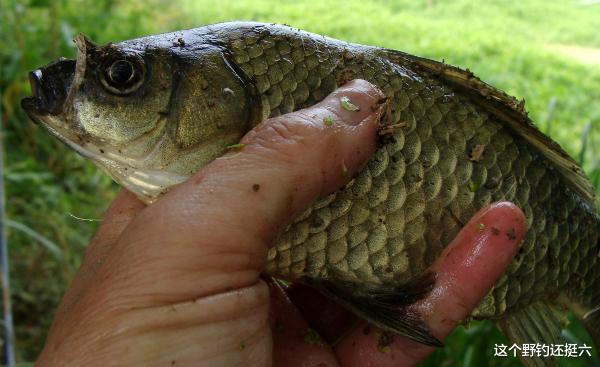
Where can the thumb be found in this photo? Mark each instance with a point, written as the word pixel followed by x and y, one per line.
pixel 219 224
pixel 185 272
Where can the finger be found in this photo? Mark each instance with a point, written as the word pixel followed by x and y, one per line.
pixel 481 252
pixel 119 214
pixel 465 272
pixel 206 240
pixel 212 233
pixel 295 342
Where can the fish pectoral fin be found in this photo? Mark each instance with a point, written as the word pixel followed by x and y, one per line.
pixel 538 323
pixel 382 305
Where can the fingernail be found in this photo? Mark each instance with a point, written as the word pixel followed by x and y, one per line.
pixel 356 101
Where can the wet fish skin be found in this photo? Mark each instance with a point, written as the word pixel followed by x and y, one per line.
pixel 421 186
pixel 458 145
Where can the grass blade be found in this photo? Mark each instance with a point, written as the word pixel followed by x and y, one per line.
pixel 584 142
pixel 49 245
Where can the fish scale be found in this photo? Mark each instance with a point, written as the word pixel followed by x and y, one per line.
pixel 417 191
pixel 451 145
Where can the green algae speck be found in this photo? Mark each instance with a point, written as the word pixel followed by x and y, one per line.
pixel 311 337
pixel 473 186
pixel 238 146
pixel 347 105
pixel 344 170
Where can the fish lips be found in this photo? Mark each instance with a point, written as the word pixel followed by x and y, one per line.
pixel 50 86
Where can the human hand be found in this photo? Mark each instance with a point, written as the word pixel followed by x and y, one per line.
pixel 178 283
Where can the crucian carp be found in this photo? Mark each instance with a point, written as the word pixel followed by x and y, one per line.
pixel 152 111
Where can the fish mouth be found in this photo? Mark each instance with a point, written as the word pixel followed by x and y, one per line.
pixel 50 86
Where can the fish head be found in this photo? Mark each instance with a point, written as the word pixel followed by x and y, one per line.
pixel 149 112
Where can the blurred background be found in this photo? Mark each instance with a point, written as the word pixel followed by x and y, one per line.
pixel 547 52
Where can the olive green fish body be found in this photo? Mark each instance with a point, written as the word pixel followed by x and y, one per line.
pixel 452 145
pixel 424 182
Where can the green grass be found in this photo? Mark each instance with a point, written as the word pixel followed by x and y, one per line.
pixel 519 47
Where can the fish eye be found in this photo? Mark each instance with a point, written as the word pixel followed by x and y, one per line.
pixel 123 75
pixel 120 72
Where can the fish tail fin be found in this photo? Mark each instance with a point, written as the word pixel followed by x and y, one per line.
pixel 538 323
pixel 591 321
pixel 590 297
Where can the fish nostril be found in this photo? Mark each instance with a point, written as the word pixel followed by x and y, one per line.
pixel 37 103
pixel 35 79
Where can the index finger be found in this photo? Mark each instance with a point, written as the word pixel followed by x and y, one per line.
pixel 465 271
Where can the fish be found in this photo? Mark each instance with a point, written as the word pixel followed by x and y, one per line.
pixel 152 111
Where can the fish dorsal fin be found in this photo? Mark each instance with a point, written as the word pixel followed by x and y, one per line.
pixel 507 110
